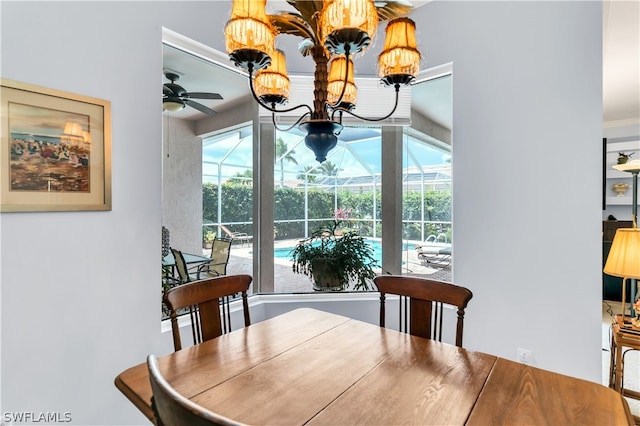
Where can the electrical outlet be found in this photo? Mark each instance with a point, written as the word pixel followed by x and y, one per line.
pixel 524 356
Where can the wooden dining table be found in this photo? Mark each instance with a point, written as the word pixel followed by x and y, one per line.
pixel 313 367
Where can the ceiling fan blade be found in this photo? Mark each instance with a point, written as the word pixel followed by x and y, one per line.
pixel 200 107
pixel 203 95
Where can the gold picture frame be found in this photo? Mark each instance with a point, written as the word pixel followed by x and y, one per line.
pixel 55 150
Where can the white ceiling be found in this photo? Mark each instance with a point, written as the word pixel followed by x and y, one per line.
pixel 621 71
pixel 621 62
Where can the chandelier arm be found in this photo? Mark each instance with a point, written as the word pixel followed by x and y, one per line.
pixel 346 79
pixel 267 107
pixel 273 120
pixel 342 109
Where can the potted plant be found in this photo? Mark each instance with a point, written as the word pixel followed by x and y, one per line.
pixel 334 261
pixel 209 236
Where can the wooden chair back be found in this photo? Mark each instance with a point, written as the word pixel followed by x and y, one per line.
pixel 173 409
pixel 421 304
pixel 207 302
pixel 220 252
pixel 181 266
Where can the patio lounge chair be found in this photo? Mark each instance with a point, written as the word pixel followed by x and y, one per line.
pixel 434 255
pixel 239 236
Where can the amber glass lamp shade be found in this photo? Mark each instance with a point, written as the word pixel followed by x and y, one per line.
pixel 249 28
pixel 337 72
pixel 272 83
pixel 348 22
pixel 399 60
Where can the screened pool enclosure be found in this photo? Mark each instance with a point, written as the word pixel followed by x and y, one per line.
pixel 346 187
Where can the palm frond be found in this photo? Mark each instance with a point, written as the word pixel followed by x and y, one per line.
pixel 393 9
pixel 292 23
pixel 309 9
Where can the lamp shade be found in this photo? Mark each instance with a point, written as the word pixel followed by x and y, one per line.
pixel 353 22
pixel 624 256
pixel 400 55
pixel 72 128
pixel 271 84
pixel 337 72
pixel 249 27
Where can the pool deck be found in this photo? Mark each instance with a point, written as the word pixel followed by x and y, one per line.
pixel 286 281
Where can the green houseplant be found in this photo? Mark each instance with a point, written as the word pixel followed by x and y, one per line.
pixel 209 236
pixel 333 261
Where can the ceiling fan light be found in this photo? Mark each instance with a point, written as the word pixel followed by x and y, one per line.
pixel 399 60
pixel 348 22
pixel 249 29
pixel 271 84
pixel 337 71
pixel 172 104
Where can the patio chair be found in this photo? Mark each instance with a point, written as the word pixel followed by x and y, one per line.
pixel 434 255
pixel 239 236
pixel 425 298
pixel 220 251
pixel 181 268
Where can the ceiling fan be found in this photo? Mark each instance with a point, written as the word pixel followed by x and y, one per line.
pixel 175 97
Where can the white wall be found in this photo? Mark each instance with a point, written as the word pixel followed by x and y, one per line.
pixel 182 184
pixel 80 290
pixel 527 114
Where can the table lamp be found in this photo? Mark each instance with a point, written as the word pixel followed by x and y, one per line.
pixel 624 257
pixel 626 264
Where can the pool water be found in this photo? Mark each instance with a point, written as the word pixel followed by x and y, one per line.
pixel 285 252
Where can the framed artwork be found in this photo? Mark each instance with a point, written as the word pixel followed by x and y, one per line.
pixel 55 150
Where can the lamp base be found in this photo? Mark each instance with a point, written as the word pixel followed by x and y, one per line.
pixel 273 99
pixel 347 41
pixel 250 59
pixel 393 79
pixel 321 136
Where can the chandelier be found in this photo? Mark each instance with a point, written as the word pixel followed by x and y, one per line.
pixel 332 31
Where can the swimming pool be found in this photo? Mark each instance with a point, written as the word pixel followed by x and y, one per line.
pixel 285 252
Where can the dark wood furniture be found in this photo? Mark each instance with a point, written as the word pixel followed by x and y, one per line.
pixel 312 367
pixel 173 409
pixel 207 302
pixel 426 299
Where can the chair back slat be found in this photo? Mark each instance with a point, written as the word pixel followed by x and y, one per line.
pixel 420 318
pixel 427 299
pixel 209 301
